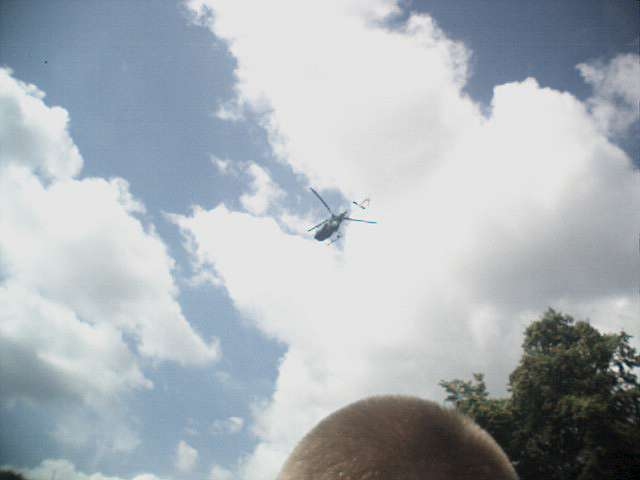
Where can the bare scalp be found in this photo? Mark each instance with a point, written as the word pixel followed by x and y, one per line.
pixel 397 438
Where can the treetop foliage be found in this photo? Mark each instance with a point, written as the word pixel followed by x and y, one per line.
pixel 574 406
pixel 10 475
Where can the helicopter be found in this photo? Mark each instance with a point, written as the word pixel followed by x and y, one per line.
pixel 332 225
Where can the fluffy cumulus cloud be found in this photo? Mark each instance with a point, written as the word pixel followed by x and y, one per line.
pixel 616 87
pixel 264 191
pixel 355 76
pixel 485 219
pixel 220 473
pixel 231 425
pixel 63 469
pixel 33 134
pixel 186 457
pixel 86 288
pixel 223 165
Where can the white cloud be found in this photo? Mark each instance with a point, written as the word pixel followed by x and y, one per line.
pixel 64 470
pixel 186 457
pixel 230 111
pixel 33 134
pixel 264 191
pixel 616 84
pixel 106 425
pixel 293 223
pixel 65 357
pixel 484 221
pixel 220 473
pixel 86 289
pixel 76 243
pixel 223 165
pixel 231 426
pixel 334 112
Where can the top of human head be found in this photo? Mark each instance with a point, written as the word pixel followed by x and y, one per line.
pixel 397 438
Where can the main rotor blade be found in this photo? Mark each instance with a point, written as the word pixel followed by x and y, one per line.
pixel 320 198
pixel 319 225
pixel 358 220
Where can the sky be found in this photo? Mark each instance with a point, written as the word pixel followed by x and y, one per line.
pixel 164 314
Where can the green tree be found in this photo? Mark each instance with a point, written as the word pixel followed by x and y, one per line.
pixel 10 475
pixel 472 398
pixel 574 408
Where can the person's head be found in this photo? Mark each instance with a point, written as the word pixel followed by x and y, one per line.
pixel 397 438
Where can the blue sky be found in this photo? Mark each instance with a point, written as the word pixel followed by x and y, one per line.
pixel 164 310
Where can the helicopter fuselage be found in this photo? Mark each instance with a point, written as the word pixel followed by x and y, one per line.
pixel 330 227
